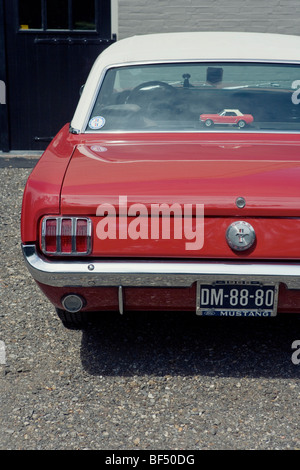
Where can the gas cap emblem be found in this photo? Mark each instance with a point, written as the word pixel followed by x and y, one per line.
pixel 240 235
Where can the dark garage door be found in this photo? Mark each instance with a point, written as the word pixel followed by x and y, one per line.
pixel 50 46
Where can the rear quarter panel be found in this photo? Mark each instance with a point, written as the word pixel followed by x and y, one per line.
pixel 42 190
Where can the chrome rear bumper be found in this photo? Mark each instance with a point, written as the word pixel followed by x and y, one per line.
pixel 149 273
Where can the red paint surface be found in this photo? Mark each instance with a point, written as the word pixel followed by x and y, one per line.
pixel 77 173
pixel 195 168
pixel 151 299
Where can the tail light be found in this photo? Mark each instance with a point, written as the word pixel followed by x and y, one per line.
pixel 66 235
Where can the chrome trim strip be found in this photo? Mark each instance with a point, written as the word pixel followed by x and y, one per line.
pixel 149 273
pixel 74 231
pixel 121 301
pixel 235 131
pixel 58 234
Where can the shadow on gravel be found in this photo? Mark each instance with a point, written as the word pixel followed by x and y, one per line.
pixel 184 344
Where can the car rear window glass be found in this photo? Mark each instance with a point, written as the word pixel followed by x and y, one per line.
pixel 197 97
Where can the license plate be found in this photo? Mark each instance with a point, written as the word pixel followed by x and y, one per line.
pixel 237 299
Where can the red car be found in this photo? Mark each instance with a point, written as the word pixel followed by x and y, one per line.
pixel 134 207
pixel 227 116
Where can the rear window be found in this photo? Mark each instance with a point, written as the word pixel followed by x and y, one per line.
pixel 198 97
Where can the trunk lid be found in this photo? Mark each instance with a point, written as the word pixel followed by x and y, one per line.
pixel 214 173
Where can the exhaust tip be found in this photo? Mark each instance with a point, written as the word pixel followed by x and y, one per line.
pixel 72 303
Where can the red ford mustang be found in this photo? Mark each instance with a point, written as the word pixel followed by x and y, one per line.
pixel 135 206
pixel 227 116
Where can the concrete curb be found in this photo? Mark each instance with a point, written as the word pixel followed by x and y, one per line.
pixel 19 159
pixel 21 154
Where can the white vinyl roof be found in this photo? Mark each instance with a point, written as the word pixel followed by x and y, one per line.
pixel 191 46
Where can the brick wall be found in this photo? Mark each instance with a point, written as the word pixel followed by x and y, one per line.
pixel 153 16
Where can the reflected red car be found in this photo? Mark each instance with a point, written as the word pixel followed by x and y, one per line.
pixel 227 117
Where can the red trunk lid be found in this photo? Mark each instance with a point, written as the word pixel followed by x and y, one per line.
pixel 211 172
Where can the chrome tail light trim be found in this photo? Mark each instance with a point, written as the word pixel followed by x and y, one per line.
pixel 74 251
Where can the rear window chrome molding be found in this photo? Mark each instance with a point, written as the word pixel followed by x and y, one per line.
pixel 154 273
pixel 235 132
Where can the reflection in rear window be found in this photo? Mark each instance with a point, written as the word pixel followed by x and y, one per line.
pixel 198 96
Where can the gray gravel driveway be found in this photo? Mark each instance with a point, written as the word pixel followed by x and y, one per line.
pixel 141 381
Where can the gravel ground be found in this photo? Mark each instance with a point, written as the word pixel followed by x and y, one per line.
pixel 138 382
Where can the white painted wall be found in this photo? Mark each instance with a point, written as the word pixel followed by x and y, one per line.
pixel 153 16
